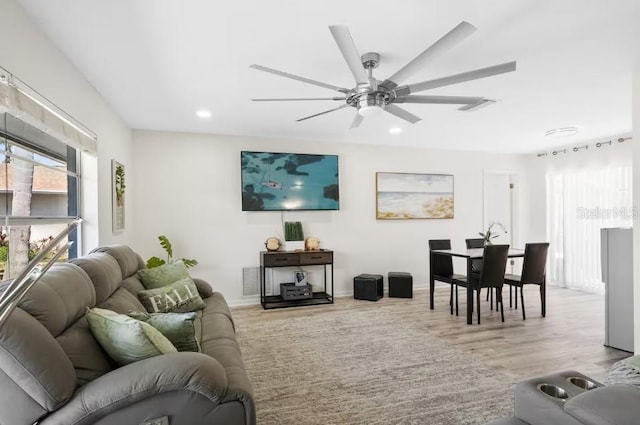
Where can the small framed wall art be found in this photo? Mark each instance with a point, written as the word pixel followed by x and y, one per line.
pixel 401 196
pixel 118 187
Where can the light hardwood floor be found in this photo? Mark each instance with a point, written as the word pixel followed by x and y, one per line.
pixel 570 337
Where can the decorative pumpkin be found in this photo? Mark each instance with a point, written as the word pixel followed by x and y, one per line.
pixel 273 244
pixel 311 243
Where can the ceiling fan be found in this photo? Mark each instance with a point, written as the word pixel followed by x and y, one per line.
pixel 371 96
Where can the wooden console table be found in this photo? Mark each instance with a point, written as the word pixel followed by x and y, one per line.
pixel 270 260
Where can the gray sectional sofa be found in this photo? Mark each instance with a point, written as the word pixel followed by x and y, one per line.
pixel 571 398
pixel 54 372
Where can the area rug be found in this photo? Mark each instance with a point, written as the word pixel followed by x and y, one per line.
pixel 365 367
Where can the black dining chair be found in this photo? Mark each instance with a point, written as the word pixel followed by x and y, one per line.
pixel 474 243
pixel 476 265
pixel 494 263
pixel 533 273
pixel 442 266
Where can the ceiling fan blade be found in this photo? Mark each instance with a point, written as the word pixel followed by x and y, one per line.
pixel 322 113
pixel 356 121
pixel 306 98
pixel 402 113
pixel 298 78
pixel 449 100
pixel 449 40
pixel 457 78
pixel 478 105
pixel 350 53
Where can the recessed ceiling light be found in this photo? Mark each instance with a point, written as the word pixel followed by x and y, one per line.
pixel 562 132
pixel 395 130
pixel 203 113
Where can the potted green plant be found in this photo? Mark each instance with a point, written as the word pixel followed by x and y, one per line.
pixel 293 236
pixel 166 245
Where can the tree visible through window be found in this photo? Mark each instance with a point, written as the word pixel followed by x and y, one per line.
pixel 38 186
pixel 20 236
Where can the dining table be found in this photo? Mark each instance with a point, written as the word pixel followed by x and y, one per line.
pixel 470 255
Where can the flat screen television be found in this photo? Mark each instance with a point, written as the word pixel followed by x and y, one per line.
pixel 274 181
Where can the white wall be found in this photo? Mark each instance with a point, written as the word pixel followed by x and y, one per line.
pixel 27 53
pixel 188 188
pixel 636 203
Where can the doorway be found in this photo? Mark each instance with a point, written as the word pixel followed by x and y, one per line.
pixel 499 196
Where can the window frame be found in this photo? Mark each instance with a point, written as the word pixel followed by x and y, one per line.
pixel 74 197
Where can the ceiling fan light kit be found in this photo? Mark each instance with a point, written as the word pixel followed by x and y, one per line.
pixel 369 111
pixel 369 104
pixel 371 97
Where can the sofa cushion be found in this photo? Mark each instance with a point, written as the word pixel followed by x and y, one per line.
pixel 127 259
pixel 61 297
pixel 179 328
pixel 610 405
pixel 164 275
pixel 104 272
pixel 125 339
pixel 133 284
pixel 34 361
pixel 59 301
pixel 218 341
pixel 217 304
pixel 227 353
pixel 122 301
pixel 89 360
pixel 215 326
pixel 179 297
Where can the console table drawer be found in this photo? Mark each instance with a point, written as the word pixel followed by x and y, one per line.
pixel 317 257
pixel 284 259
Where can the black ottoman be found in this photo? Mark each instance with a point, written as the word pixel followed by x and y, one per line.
pixel 400 285
pixel 367 287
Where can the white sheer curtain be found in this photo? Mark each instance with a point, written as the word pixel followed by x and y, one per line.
pixel 579 204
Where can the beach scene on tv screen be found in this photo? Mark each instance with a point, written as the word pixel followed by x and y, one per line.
pixel 288 181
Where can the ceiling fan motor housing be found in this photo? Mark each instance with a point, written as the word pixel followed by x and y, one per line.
pixel 372 99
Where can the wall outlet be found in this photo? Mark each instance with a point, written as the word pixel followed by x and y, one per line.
pixel 157 421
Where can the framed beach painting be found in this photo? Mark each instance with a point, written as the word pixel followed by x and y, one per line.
pixel 117 196
pixel 401 196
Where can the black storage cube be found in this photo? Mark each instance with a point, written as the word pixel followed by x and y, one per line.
pixel 400 285
pixel 368 287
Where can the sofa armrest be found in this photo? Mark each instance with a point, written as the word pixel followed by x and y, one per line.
pixel 204 289
pixel 194 373
pixel 614 405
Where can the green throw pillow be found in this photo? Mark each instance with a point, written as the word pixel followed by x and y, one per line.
pixel 164 275
pixel 125 339
pixel 179 328
pixel 179 297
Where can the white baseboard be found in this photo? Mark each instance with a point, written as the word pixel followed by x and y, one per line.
pixel 245 301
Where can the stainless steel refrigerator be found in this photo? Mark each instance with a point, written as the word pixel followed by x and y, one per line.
pixel 617 274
